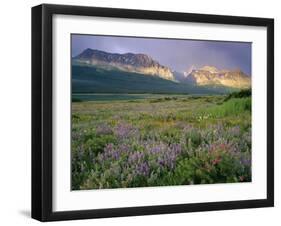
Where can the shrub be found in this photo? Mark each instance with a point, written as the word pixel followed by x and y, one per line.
pixel 76 100
pixel 241 94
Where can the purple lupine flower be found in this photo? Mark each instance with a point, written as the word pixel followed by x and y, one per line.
pixel 245 160
pixel 142 169
pixel 116 155
pixel 109 153
pixel 135 157
pixel 176 148
pixel 123 131
pixel 124 148
pixel 157 149
pixel 166 155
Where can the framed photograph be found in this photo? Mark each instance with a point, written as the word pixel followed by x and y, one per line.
pixel 146 112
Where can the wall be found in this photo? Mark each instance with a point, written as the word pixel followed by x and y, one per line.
pixel 15 111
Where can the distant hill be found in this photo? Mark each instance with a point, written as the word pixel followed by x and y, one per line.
pixel 129 62
pixel 91 79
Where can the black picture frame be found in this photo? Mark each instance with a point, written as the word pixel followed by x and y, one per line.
pixel 42 111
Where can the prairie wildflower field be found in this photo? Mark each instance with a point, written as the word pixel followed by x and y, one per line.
pixel 160 140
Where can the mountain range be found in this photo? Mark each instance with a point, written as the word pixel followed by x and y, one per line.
pixel 99 71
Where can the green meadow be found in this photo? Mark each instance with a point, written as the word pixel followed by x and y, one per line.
pixel 140 140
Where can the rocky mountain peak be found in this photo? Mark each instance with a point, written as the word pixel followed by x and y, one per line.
pixel 210 69
pixel 138 63
pixel 210 75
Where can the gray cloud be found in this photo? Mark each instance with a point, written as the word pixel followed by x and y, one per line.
pixel 177 54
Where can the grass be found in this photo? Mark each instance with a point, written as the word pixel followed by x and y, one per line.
pixel 144 140
pixel 231 107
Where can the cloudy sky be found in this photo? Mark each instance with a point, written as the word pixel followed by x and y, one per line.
pixel 179 55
